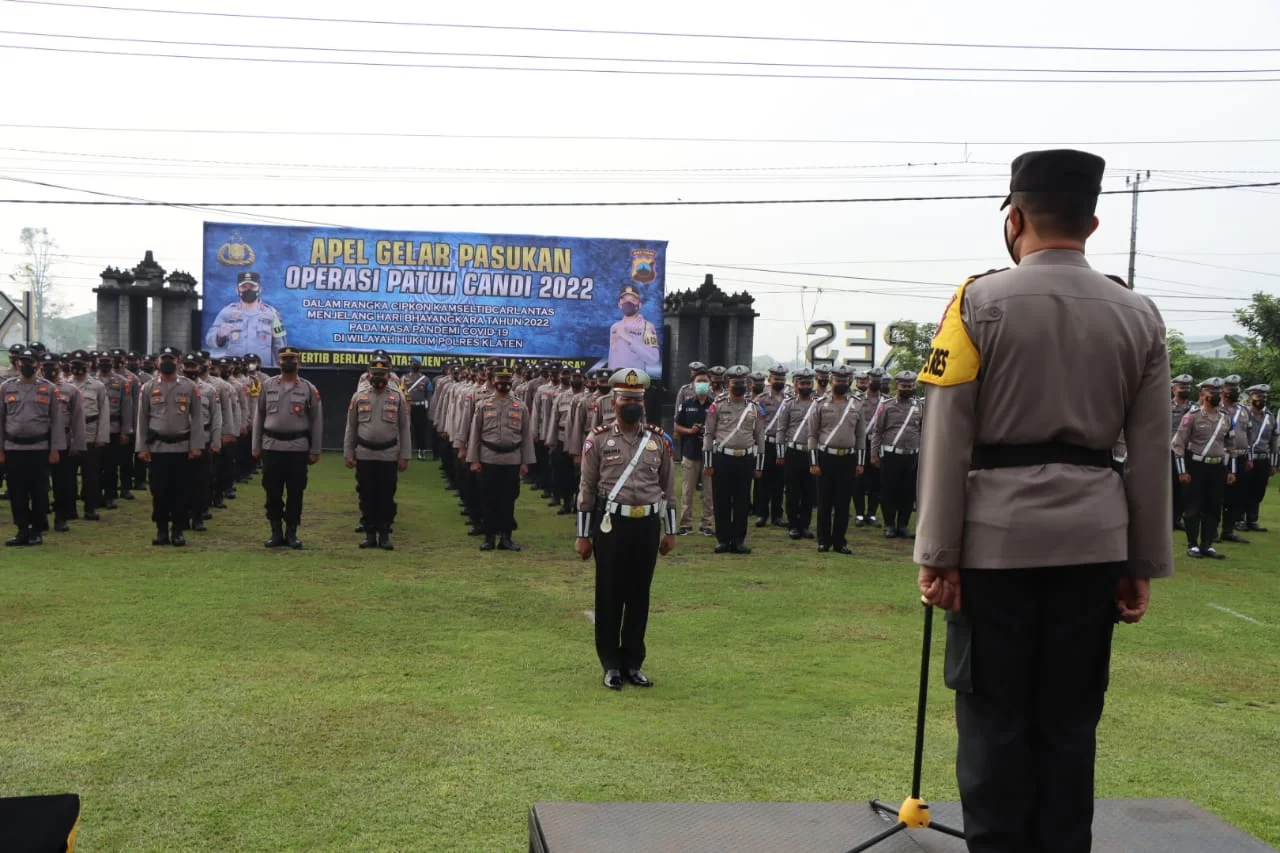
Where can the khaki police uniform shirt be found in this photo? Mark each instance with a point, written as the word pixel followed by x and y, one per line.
pixel 501 433
pixel 1178 410
pixel 793 425
pixel 211 413
pixel 868 406
pixel 1262 436
pixel 172 409
pixel 377 417
pixel 1199 426
pixel 772 402
pixel 231 404
pixel 1050 323
pixel 567 405
pixel 544 410
pixel 460 427
pixel 443 389
pixel 415 388
pixel 288 407
pixel 608 451
pixel 831 428
pixel 93 399
pixel 721 430
pixel 119 403
pixel 1239 423
pixel 72 415
pixel 893 417
pixel 31 409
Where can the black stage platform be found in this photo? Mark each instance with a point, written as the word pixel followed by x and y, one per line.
pixel 1119 826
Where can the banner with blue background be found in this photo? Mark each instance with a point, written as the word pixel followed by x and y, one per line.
pixel 337 294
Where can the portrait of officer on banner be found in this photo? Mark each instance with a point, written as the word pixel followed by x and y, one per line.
pixel 247 325
pixel 633 341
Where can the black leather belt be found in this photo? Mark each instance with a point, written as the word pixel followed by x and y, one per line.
pixel 1024 455
pixel 26 439
pixel 377 445
pixel 91 420
pixel 279 435
pixel 500 448
pixel 163 438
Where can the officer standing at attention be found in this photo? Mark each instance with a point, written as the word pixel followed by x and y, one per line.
pixel 732 455
pixel 121 422
pixel 126 459
pixel 895 448
pixel 837 456
pixel 626 517
pixel 1235 495
pixel 768 489
pixel 866 490
pixel 171 435
pixel 133 363
pixel 1180 405
pixel 417 387
pixel 1206 452
pixel 32 433
pixel 210 412
pixel 793 436
pixel 500 451
pixel 378 444
pixel 1010 476
pixel 288 428
pixel 1263 455
pixel 73 423
pixel 93 399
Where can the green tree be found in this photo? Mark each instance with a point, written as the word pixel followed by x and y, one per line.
pixel 1197 366
pixel 1258 355
pixel 911 344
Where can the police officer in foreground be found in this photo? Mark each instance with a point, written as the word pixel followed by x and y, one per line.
pixel 73 423
pixel 377 443
pixel 1179 406
pixel 626 517
pixel 837 456
pixel 32 435
pixel 171 436
pixel 288 427
pixel 500 451
pixel 895 449
pixel 1263 455
pixel 793 436
pixel 732 455
pixel 1206 453
pixel 97 411
pixel 1010 476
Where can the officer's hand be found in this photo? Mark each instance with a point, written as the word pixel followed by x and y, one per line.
pixel 757 474
pixel 815 470
pixel 228 439
pixel 244 433
pixel 475 467
pixel 351 462
pixel 145 455
pixel 99 444
pixel 668 545
pixel 708 472
pixel 859 470
pixel 313 458
pixel 780 461
pixel 582 547
pixel 1231 479
pixel 124 439
pixel 875 460
pixel 940 587
pixel 1184 478
pixel 257 457
pixel 215 449
pixel 53 457
pixel 1132 596
pixel 193 454
pixel 524 470
pixel 577 461
pixel 404 465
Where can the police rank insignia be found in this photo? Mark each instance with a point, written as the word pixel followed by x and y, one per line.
pixel 642 271
pixel 236 253
pixel 652 445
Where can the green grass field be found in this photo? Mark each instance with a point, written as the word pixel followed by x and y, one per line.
pixel 227 697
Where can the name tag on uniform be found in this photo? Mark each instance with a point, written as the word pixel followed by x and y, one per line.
pixel 490 413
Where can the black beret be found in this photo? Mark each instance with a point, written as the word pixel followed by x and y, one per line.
pixel 1059 170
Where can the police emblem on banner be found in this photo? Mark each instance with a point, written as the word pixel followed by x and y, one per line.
pixel 642 271
pixel 236 253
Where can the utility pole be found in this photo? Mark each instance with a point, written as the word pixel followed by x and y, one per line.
pixel 1134 182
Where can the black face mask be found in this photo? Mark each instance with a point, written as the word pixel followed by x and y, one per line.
pixel 630 413
pixel 804 391
pixel 904 395
pixel 79 369
pixel 503 387
pixel 1232 394
pixel 738 389
pixel 193 375
pixel 1258 402
pixel 822 383
pixel 1214 399
pixel 50 373
pixel 378 381
pixel 778 386
pixel 133 367
pixel 576 384
pixel 1183 394
pixel 27 370
pixel 288 367
pixel 249 296
pixel 841 388
pixel 564 381
pixel 757 389
pixel 104 367
pixel 168 368
pixel 1009 243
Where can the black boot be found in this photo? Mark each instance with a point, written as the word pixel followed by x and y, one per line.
pixel 487 545
pixel 197 523
pixel 291 537
pixel 370 537
pixel 505 543
pixel 178 539
pixel 384 539
pixel 34 537
pixel 162 535
pixel 60 525
pixel 277 536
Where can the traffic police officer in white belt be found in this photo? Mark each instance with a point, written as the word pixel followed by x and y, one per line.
pixel 895 448
pixel 1204 452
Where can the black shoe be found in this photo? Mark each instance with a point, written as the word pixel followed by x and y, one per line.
pixel 1179 525
pixel 475 531
pixel 707 531
pixel 35 539
pixel 60 525
pixel 384 540
pixel 1230 536
pixel 291 537
pixel 859 522
pixel 111 504
pixel 208 515
pixel 487 545
pixel 740 548
pixel 684 531
pixel 794 533
pixel 762 522
pixel 546 494
pixel 613 679
pixel 1212 554
pixel 553 502
pixel 370 540
pixel 871 521
pixel 844 549
pixel 807 534
pixel 1194 552
pixel 778 521
pixel 221 504
pixel 198 526
pixel 890 533
pixel 724 548
pixel 230 495
pixel 505 544
pixel 638 678
pixel 91 516
pixel 178 539
pixel 904 533
pixel 565 510
pixel 822 549
pixel 277 536
pixel 127 495
pixel 162 536
pixel 360 527
pixel 1255 527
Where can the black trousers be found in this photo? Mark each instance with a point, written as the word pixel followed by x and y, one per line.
pixel 1202 502
pixel 625 559
pixel 64 485
pixel 555 470
pixel 171 489
pixel 567 479
pixel 139 473
pixel 835 487
pixel 376 481
pixel 1235 498
pixel 499 488
pixel 109 466
pixel 245 464
pixel 28 474
pixel 124 462
pixel 88 465
pixel 284 470
pixel 1029 659
pixel 767 500
pixel 226 467
pixel 1178 508
pixel 898 488
pixel 731 490
pixel 801 489
pixel 418 426
pixel 1256 487
pixel 202 475
pixel 866 490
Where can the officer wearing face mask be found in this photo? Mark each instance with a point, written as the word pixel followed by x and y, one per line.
pixel 499 450
pixel 1235 494
pixel 767 499
pixel 837 455
pixel 248 324
pixel 33 437
pixel 211 408
pixel 626 518
pixel 568 404
pixel 717 373
pixel 93 397
pixel 1263 454
pixel 792 431
pixel 895 449
pixel 1179 406
pixel 866 489
pixel 121 420
pixel 633 341
pixel 73 420
pixel 288 428
pixel 378 444
pixel 821 380
pixel 733 455
pixel 171 437
pixel 1205 451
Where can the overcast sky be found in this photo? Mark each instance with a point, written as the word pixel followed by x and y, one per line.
pixel 919 138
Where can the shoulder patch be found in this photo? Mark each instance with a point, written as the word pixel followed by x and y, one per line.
pixel 1186 419
pixel 953 359
pixel 600 429
pixel 1118 280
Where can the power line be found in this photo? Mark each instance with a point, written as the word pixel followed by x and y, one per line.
pixel 1214 266
pixel 587 31
pixel 548 204
pixel 658 60
pixel 645 139
pixel 280 60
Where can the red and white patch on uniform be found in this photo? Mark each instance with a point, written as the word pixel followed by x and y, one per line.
pixel 1186 419
pixel 586 446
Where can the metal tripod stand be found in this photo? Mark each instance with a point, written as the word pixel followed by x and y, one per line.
pixel 914 812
